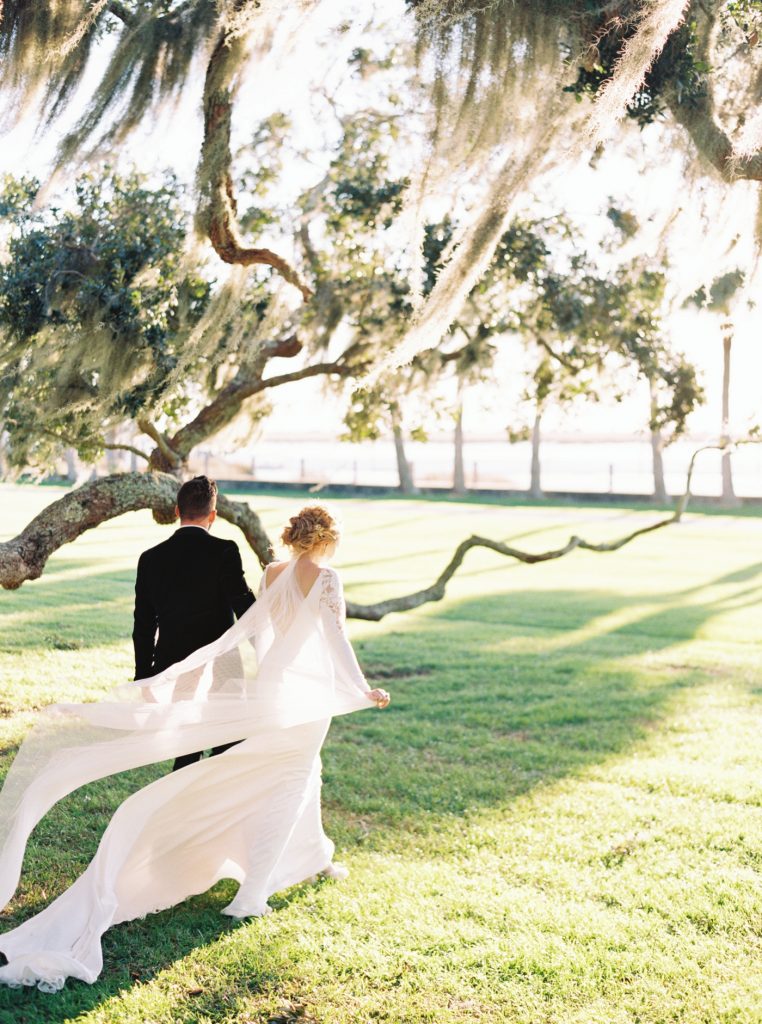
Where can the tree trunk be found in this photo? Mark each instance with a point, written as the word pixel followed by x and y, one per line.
pixel 657 448
pixel 112 457
pixel 535 481
pixel 407 484
pixel 71 465
pixel 728 492
pixel 458 469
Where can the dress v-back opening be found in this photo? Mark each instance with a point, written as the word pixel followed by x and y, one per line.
pixel 290 567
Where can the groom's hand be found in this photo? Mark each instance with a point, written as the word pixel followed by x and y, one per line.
pixel 379 697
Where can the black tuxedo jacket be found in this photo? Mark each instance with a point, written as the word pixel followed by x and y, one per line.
pixel 189 587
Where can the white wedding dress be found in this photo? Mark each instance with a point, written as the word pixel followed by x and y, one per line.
pixel 251 813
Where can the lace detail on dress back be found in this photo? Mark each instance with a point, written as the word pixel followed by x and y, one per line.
pixel 332 597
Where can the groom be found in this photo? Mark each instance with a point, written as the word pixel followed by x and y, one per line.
pixel 189 587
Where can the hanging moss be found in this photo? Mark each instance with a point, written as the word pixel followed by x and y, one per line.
pixel 45 46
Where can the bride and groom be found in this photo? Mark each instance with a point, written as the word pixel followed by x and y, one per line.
pixel 250 812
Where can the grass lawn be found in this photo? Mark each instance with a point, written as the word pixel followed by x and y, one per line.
pixel 559 819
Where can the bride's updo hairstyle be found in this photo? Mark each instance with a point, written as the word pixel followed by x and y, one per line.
pixel 311 528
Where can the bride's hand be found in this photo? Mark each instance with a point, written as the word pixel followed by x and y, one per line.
pixel 379 697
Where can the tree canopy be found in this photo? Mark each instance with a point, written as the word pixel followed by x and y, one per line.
pixel 493 87
pixel 382 219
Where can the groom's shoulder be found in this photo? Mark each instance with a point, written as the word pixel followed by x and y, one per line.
pixel 223 552
pixel 220 545
pixel 154 553
pixel 216 546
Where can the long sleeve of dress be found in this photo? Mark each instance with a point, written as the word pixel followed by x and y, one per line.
pixel 333 613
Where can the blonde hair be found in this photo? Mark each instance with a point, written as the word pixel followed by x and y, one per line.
pixel 310 528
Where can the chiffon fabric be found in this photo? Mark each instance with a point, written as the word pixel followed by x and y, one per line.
pixel 251 813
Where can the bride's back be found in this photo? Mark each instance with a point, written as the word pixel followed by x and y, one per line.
pixel 306 573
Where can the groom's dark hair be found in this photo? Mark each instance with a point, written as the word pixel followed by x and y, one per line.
pixel 197 497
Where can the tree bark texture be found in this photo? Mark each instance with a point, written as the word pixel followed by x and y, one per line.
pixel 24 557
pixel 458 469
pixel 728 491
pixel 404 471
pixel 657 451
pixel 535 481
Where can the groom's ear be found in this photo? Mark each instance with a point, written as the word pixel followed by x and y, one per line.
pixel 212 516
pixel 177 512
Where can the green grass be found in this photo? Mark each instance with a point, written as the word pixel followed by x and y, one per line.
pixel 557 821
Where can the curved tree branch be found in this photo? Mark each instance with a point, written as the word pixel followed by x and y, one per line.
pixel 246 383
pixel 24 557
pixel 564 360
pixel 377 611
pixel 107 447
pixel 240 514
pixel 712 142
pixel 219 218
pixel 120 10
pixel 127 448
pixel 725 445
pixel 337 367
pixel 164 458
pixel 697 114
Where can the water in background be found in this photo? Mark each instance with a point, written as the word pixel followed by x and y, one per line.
pixel 571 466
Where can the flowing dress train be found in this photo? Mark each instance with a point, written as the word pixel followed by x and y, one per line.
pixel 251 813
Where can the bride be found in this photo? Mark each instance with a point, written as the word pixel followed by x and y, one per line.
pixel 251 814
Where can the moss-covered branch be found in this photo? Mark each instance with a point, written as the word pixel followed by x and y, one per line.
pixel 218 217
pixel 697 113
pixel 25 556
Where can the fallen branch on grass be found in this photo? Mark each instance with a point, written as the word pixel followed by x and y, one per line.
pixel 377 611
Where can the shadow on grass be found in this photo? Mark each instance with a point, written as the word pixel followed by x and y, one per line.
pixel 548 683
pixel 493 698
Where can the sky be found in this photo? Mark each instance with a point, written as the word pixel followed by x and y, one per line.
pixel 174 141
